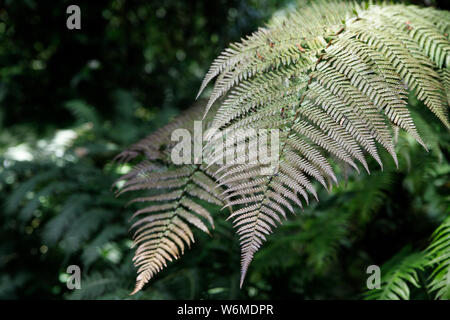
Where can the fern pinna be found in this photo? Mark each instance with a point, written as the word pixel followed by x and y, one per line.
pixel 174 199
pixel 333 79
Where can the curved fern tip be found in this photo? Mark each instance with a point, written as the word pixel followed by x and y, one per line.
pixel 134 292
pixel 241 281
pixel 138 287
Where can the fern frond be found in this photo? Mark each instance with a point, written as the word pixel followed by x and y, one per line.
pixel 174 198
pixel 396 274
pixel 439 258
pixel 403 269
pixel 333 80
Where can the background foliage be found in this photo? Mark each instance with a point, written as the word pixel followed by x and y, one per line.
pixel 71 100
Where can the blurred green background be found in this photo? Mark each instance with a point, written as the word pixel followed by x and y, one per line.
pixel 71 100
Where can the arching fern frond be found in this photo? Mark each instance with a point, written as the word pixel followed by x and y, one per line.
pixel 332 81
pixel 174 198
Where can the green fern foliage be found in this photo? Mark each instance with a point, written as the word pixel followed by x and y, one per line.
pixel 333 79
pixel 172 199
pixel 407 268
pixel 397 274
pixel 439 259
